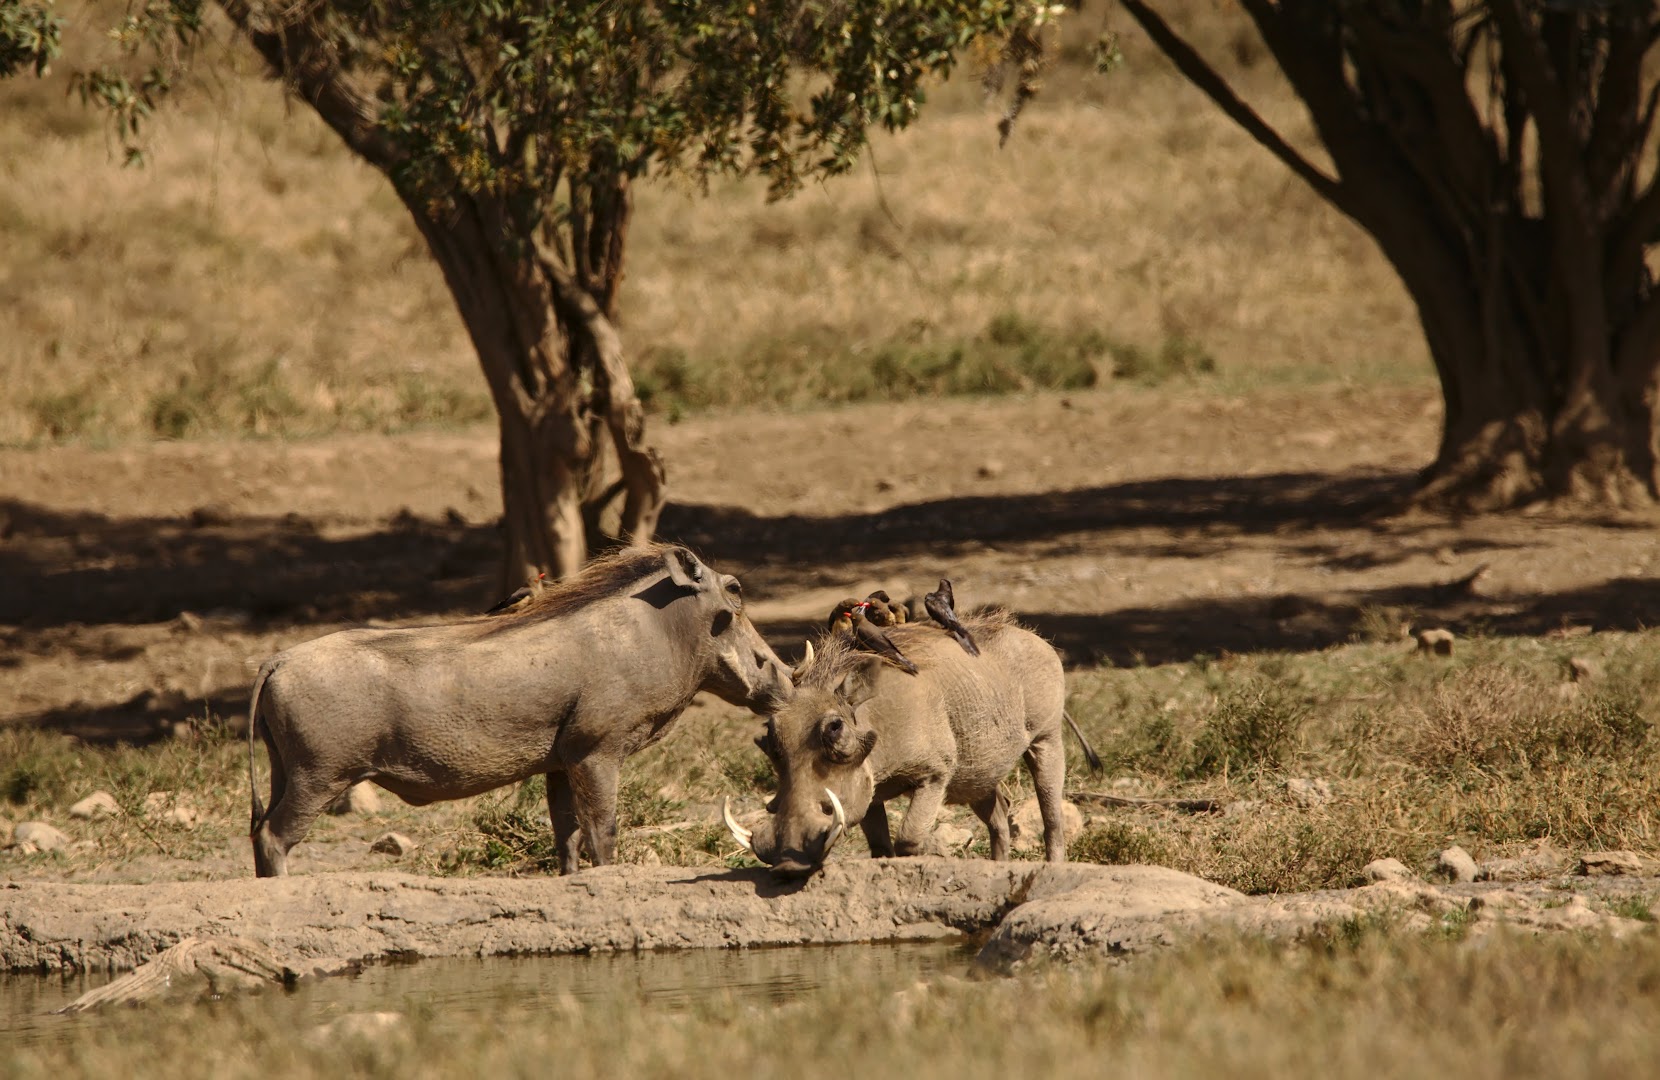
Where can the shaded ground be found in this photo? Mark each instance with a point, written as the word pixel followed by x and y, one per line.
pixel 142 584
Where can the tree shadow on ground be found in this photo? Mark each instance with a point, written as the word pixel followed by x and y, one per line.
pixel 63 570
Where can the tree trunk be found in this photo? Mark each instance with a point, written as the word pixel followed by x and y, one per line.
pixel 552 360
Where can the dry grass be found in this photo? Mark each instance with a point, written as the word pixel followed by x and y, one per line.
pixel 1355 1004
pixel 256 280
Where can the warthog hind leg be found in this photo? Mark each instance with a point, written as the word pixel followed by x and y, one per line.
pixel 287 823
pixel 1046 759
pixel 567 830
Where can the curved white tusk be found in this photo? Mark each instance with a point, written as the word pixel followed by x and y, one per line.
pixel 806 662
pixel 840 825
pixel 739 833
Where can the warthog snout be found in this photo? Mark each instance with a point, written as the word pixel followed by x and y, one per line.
pixel 791 859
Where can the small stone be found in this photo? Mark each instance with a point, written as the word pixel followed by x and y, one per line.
pixel 1600 863
pixel 953 838
pixel 360 798
pixel 1386 870
pixel 98 804
pixel 1305 792
pixel 884 484
pixel 6 828
pixel 188 622
pixel 989 470
pixel 1242 808
pixel 41 836
pixel 1026 824
pixel 1455 864
pixel 204 516
pixel 1435 642
pixel 1583 669
pixel 393 843
pixel 184 817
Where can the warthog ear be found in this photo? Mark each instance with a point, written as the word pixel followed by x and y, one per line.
pixel 858 687
pixel 684 568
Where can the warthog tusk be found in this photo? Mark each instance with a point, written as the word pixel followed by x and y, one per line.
pixel 739 833
pixel 806 662
pixel 839 826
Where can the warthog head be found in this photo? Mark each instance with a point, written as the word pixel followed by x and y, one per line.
pixel 745 671
pixel 818 743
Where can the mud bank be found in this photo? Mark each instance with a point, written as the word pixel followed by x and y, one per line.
pixel 1026 909
pixel 52 927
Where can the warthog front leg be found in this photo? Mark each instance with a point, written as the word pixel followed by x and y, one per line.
pixel 567 830
pixel 994 811
pixel 917 830
pixel 875 826
pixel 593 785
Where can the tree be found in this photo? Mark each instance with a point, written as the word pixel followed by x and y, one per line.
pixel 514 131
pixel 30 37
pixel 1498 151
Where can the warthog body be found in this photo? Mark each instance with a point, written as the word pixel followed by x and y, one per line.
pixel 858 732
pixel 569 685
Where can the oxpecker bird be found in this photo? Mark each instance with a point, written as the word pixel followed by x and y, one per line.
pixel 518 596
pixel 841 617
pixel 943 611
pixel 872 638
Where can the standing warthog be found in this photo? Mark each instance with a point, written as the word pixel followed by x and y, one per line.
pixel 585 674
pixel 859 731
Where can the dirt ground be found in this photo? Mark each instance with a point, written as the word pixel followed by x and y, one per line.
pixel 140 582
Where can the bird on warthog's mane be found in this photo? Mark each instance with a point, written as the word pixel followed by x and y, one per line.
pixel 841 617
pixel 517 596
pixel 873 639
pixel 880 604
pixel 941 609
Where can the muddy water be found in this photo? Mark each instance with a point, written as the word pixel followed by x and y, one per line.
pixel 459 991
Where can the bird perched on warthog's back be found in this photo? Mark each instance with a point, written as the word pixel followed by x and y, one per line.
pixel 892 614
pixel 942 609
pixel 858 620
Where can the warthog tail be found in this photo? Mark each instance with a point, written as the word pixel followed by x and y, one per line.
pixel 1090 755
pixel 265 671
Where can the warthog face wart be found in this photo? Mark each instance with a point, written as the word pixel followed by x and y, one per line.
pixel 819 744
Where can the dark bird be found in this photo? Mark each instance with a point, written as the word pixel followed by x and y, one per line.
pixel 942 610
pixel 873 639
pixel 517 596
pixel 841 617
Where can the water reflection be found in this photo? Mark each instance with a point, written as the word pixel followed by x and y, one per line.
pixel 458 991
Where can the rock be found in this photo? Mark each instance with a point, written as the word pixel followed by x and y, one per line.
pixel 1455 864
pixel 185 817
pixel 1387 870
pixel 1610 862
pixel 42 836
pixel 98 804
pixel 358 799
pixel 393 843
pixel 188 622
pixel 1306 792
pixel 1026 824
pixel 1583 669
pixel 1242 808
pixel 990 469
pixel 156 802
pixel 1436 642
pixel 954 838
pixel 6 828
pixel 357 1026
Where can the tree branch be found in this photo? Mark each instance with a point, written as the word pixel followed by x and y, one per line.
pixel 1206 78
pixel 299 55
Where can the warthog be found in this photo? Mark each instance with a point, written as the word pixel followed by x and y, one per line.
pixel 859 731
pixel 574 681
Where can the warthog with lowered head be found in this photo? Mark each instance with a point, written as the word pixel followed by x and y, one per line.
pixel 859 731
pixel 585 674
